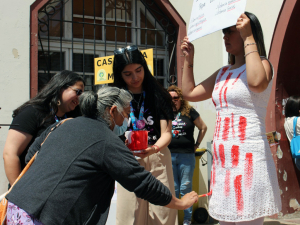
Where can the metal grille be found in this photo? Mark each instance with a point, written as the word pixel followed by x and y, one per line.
pixel 74 32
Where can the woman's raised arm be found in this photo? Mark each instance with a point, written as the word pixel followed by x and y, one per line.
pixel 190 91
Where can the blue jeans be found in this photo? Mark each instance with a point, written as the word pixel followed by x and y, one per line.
pixel 183 165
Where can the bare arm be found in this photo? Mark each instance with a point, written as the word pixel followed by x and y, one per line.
pixel 191 92
pixel 259 72
pixel 202 130
pixel 162 142
pixel 185 202
pixel 16 143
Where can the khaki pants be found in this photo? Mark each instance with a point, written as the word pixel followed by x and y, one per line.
pixel 135 211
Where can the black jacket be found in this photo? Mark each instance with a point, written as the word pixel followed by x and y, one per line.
pixel 72 179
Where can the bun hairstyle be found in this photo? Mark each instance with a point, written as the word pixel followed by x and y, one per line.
pixel 94 105
pixel 88 104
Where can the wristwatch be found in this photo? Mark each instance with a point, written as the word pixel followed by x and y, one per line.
pixel 197 144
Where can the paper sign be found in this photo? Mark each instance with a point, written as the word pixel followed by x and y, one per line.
pixel 104 67
pixel 209 16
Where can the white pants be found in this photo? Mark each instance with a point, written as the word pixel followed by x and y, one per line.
pixel 135 211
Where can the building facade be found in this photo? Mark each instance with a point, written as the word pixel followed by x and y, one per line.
pixel 42 37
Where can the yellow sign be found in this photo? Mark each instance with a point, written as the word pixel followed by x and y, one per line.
pixel 104 67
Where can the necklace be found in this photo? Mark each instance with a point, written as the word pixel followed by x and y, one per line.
pixel 140 124
pixel 137 102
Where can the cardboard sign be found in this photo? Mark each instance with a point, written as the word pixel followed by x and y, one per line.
pixel 104 67
pixel 209 16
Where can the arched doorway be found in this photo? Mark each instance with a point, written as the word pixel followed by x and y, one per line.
pixel 285 57
pixel 68 34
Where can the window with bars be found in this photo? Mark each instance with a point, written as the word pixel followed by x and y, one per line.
pixel 74 32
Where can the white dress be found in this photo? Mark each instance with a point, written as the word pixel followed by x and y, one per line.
pixel 244 179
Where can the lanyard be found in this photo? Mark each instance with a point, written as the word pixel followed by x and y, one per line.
pixel 174 122
pixel 56 118
pixel 140 124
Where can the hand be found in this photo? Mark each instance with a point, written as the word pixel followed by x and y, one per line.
pixel 243 26
pixel 187 48
pixel 195 148
pixel 189 199
pixel 126 142
pixel 146 152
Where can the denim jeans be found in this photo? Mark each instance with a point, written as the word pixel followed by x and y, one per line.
pixel 183 165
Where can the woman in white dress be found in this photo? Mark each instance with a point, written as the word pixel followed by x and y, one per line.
pixel 244 186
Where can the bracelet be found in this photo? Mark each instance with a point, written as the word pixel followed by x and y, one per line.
pixel 191 66
pixel 249 44
pixel 249 53
pixel 156 148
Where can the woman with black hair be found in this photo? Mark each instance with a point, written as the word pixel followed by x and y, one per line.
pixel 56 101
pixel 292 110
pixel 244 184
pixel 72 179
pixel 151 110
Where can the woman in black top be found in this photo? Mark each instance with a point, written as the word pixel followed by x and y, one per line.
pixel 183 145
pixel 72 179
pixel 131 73
pixel 57 100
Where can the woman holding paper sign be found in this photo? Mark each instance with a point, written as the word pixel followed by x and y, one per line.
pixel 150 110
pixel 244 184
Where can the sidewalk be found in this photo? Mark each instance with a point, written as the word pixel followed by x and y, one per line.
pixel 268 221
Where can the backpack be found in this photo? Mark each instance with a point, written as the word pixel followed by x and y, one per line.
pixel 295 142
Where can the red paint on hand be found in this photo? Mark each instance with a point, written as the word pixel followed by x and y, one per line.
pixel 238 194
pixel 248 170
pixel 242 128
pixel 235 155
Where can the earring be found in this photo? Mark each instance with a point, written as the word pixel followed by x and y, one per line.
pixel 58 102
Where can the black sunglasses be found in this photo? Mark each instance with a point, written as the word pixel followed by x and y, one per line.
pixel 78 91
pixel 175 98
pixel 128 49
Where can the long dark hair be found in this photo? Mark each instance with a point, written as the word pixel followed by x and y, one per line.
pixel 257 34
pixel 292 106
pixel 46 100
pixel 157 98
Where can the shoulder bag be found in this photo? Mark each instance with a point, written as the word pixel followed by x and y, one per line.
pixel 295 142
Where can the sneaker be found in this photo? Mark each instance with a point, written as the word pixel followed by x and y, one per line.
pixel 186 222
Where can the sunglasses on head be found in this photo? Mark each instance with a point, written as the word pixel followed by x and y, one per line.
pixel 175 98
pixel 128 49
pixel 78 91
